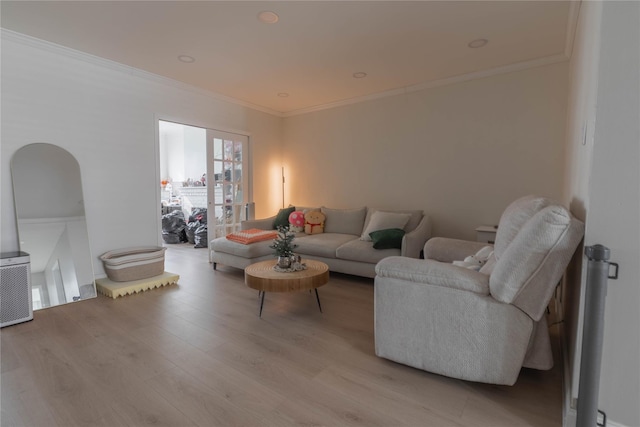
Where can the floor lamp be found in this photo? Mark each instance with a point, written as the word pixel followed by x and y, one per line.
pixel 283 187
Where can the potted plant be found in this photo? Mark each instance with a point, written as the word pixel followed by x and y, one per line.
pixel 284 246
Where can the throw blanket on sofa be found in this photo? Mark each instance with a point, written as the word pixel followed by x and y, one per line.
pixel 252 235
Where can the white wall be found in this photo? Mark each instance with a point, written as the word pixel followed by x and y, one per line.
pixel 77 236
pixel 613 213
pixel 182 152
pixel 49 183
pixel 106 116
pixel 581 115
pixel 172 150
pixel 603 185
pixel 38 281
pixel 461 152
pixel 63 259
pixel 195 152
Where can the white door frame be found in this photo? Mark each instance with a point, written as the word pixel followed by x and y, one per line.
pixel 195 123
pixel 234 206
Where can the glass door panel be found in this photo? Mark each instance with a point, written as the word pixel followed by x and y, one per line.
pixel 227 156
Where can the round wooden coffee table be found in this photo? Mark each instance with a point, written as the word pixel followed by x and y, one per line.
pixel 262 277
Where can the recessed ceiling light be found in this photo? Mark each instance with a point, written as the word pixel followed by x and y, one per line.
pixel 268 17
pixel 186 58
pixel 359 75
pixel 474 44
pixel 283 95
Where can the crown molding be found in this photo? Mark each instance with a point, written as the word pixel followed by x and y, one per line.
pixel 519 66
pixel 572 25
pixel 572 20
pixel 125 69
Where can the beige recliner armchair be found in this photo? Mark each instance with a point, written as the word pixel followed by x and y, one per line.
pixel 478 325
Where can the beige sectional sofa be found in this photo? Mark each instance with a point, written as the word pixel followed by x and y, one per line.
pixel 340 246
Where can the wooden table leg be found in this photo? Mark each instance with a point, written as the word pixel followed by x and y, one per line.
pixel 318 298
pixel 262 303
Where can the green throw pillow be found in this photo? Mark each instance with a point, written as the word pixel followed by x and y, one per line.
pixel 390 238
pixel 282 219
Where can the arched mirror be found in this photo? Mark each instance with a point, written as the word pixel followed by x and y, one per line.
pixel 52 227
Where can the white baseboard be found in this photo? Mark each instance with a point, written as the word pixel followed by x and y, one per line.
pixel 569 414
pixel 570 418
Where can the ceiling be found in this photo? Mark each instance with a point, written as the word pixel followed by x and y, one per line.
pixel 313 50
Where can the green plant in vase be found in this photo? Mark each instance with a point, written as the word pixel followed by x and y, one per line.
pixel 284 246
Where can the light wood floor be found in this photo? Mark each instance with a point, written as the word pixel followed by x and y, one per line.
pixel 197 354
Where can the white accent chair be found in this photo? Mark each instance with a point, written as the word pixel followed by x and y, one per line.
pixel 478 326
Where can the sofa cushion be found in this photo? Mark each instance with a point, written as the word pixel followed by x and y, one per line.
pixel 529 270
pixel 433 273
pixel 282 218
pixel 414 220
pixel 344 221
pixel 359 250
pixel 387 239
pixel 254 250
pixel 514 217
pixel 306 209
pixel 381 220
pixel 323 245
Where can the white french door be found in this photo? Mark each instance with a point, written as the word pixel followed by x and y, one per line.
pixel 228 181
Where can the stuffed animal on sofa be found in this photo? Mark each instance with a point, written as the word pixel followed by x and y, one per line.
pixel 296 221
pixel 475 262
pixel 314 222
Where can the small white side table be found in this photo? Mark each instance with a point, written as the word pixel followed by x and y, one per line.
pixel 486 233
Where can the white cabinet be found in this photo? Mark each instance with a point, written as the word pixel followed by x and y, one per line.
pixel 486 233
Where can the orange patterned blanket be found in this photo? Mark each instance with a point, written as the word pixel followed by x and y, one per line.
pixel 252 235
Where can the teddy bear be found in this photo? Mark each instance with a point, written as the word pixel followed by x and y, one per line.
pixel 475 262
pixel 296 221
pixel 314 222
